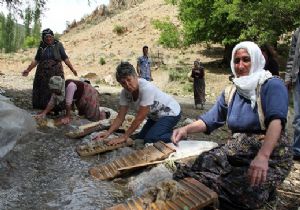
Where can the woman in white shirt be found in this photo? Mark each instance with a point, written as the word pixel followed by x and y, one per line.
pixel 161 110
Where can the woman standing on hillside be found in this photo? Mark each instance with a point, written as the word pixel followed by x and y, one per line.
pixel 48 59
pixel 199 84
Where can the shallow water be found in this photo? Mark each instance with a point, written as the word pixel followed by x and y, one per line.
pixel 43 171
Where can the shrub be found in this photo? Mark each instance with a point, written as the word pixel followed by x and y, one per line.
pixel 170 36
pixel 118 29
pixel 31 41
pixel 102 61
pixel 179 75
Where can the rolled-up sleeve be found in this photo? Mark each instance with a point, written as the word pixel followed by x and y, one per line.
pixel 216 116
pixel 274 98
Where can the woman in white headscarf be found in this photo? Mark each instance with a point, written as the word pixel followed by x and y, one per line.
pixel 248 168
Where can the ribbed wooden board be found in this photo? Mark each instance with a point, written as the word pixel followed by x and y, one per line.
pixel 86 130
pixel 197 196
pixel 158 151
pixel 87 150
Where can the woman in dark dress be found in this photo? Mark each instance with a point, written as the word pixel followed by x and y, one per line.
pixel 199 84
pixel 48 61
pixel 271 59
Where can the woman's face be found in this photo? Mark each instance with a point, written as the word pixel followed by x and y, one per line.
pixel 242 63
pixel 130 83
pixel 49 39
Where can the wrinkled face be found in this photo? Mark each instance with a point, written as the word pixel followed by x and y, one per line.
pixel 49 39
pixel 130 83
pixel 242 63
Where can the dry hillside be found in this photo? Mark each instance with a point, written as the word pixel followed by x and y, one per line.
pixel 86 44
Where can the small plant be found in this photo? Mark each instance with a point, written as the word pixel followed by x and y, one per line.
pixel 178 75
pixel 102 61
pixel 118 29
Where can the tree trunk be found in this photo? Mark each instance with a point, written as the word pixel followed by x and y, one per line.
pixel 227 54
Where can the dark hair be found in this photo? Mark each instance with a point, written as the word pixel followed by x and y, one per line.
pixel 145 47
pixel 107 115
pixel 46 32
pixel 271 53
pixel 125 69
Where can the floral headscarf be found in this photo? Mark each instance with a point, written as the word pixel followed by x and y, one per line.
pixel 246 85
pixel 57 83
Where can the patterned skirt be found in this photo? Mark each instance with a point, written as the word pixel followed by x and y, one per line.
pixel 224 169
pixel 41 93
pixel 89 103
pixel 199 91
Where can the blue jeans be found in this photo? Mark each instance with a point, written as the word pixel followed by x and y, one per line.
pixel 296 122
pixel 160 130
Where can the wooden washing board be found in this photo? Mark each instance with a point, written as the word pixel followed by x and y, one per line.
pixel 157 151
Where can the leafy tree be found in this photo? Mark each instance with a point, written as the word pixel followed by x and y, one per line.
pixel 37 21
pixel 2 33
pixel 27 21
pixel 231 21
pixel 170 35
pixel 9 34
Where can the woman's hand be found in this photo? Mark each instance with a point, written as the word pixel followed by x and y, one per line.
pixel 178 134
pixel 258 169
pixel 116 141
pixel 101 136
pixel 65 120
pixel 40 116
pixel 74 72
pixel 25 73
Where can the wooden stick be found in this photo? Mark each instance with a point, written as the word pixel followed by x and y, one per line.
pixel 141 165
pixel 289 193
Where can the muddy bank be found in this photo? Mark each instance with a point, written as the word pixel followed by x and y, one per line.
pixel 43 171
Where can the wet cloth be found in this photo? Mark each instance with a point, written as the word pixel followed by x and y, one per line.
pixel 199 85
pixel 41 93
pixel 224 169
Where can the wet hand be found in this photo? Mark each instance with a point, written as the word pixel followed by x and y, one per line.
pixel 178 134
pixel 258 169
pixel 74 72
pixel 25 73
pixel 40 116
pixel 65 120
pixel 116 141
pixel 100 136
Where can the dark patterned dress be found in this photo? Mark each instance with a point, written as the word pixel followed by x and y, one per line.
pixel 49 59
pixel 199 85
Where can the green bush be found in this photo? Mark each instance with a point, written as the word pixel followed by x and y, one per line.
pixel 102 61
pixel 179 75
pixel 170 36
pixel 173 2
pixel 118 29
pixel 31 41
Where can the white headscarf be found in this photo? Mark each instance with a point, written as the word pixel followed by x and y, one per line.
pixel 246 85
